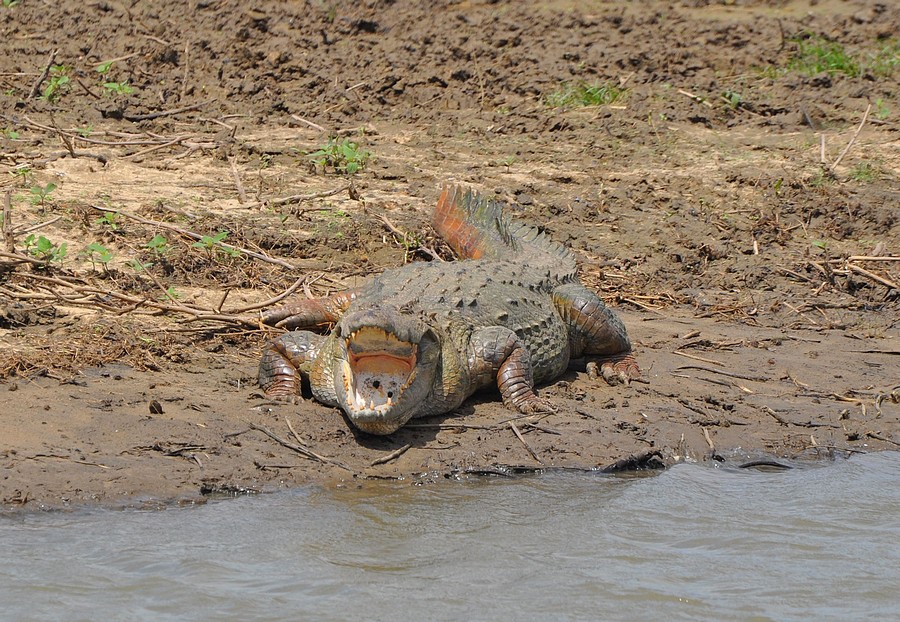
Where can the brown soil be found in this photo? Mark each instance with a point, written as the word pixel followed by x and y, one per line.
pixel 697 203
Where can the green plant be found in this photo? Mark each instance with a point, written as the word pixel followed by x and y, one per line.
pixel 118 88
pixel 109 219
pixel 887 58
pixel 213 244
pixel 58 84
pixel 159 245
pixel 104 67
pixel 344 157
pixel 333 224
pixel 882 112
pixel 9 133
pixel 733 99
pixel 97 253
pixel 85 131
pixel 816 54
pixel 8 4
pixel 43 248
pixel 22 171
pixel 581 94
pixel 822 244
pixel 39 194
pixel 822 178
pixel 139 266
pixel 863 172
pixel 171 294
pixel 508 161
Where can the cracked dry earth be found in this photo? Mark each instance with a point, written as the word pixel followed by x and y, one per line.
pixel 758 286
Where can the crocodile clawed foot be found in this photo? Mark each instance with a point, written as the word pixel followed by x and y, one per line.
pixel 293 400
pixel 535 405
pixel 620 369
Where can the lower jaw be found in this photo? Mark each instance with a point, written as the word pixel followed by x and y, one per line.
pixel 378 425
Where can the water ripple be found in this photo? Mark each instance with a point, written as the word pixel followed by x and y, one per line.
pixel 693 543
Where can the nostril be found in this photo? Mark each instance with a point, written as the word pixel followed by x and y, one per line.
pixel 376 384
pixel 390 394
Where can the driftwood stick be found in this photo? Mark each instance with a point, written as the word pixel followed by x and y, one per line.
pixel 168 113
pixel 303 450
pixel 391 456
pixel 242 196
pixel 266 303
pixel 871 275
pixel 227 318
pixel 298 198
pixel 879 437
pixel 23 258
pixel 89 297
pixel 315 126
pixel 724 373
pixel 698 358
pixel 448 426
pixel 36 87
pixel 512 426
pixel 853 138
pixel 195 236
pixel 696 98
pixel 158 146
pixel 865 258
pixel 8 236
pixel 405 237
pixel 708 439
pixel 40 225
pixel 776 416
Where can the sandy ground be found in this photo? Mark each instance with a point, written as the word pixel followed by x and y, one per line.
pixel 758 284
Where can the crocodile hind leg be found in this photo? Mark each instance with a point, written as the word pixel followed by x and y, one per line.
pixel 310 313
pixel 286 361
pixel 497 354
pixel 596 332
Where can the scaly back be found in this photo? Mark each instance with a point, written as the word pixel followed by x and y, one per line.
pixel 476 228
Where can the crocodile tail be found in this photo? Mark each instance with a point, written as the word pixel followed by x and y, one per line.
pixel 476 227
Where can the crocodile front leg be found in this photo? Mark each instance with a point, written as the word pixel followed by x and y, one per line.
pixel 286 360
pixel 497 354
pixel 596 332
pixel 310 313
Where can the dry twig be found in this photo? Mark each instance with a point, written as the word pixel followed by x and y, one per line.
pixel 195 236
pixel 724 373
pixel 168 113
pixel 36 87
pixel 518 434
pixel 8 236
pixel 298 198
pixel 852 139
pixel 302 449
pixel 391 456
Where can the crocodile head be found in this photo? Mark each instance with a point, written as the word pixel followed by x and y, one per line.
pixel 385 367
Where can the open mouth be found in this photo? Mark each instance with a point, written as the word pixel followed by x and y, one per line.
pixel 379 367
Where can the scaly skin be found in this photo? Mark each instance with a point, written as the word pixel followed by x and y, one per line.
pixel 420 339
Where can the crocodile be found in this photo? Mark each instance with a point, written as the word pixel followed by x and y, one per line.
pixel 420 339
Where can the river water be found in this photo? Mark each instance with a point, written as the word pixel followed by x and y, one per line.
pixel 693 543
